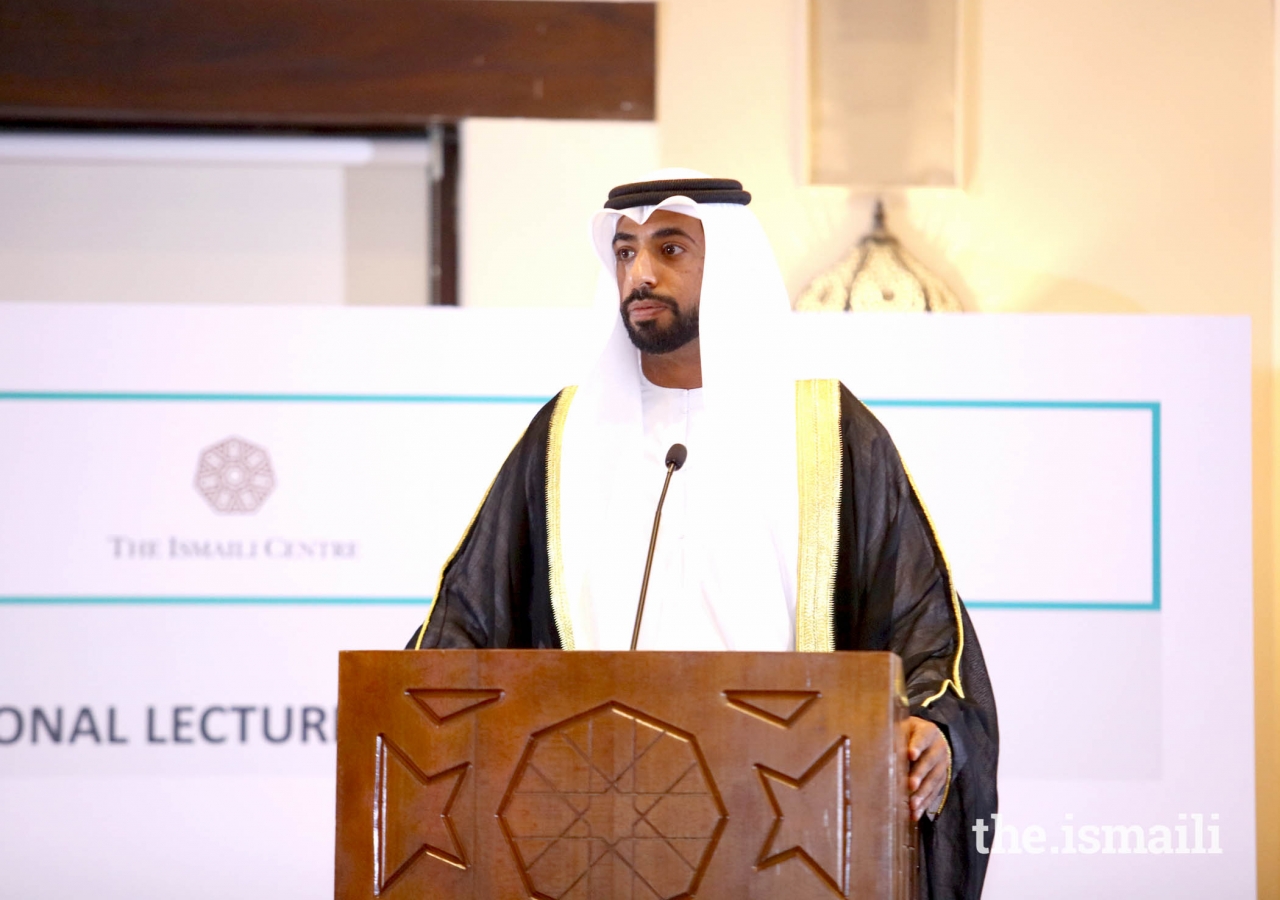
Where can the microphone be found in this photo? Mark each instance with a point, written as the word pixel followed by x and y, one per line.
pixel 675 459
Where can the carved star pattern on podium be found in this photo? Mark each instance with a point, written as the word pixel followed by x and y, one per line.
pixel 781 708
pixel 413 815
pixel 442 706
pixel 811 817
pixel 612 803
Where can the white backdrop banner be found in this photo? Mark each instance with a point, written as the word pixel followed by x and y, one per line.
pixel 200 507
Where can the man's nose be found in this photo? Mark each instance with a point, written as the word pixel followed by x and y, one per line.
pixel 643 271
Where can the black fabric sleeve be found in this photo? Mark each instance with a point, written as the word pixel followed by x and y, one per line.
pixel 894 593
pixel 494 592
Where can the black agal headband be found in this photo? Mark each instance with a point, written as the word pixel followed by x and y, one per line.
pixel 699 190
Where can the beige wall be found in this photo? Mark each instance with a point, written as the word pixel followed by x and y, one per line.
pixel 1119 160
pixel 528 189
pixel 1268 613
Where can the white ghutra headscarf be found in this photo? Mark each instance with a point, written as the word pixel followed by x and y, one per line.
pixel 742 534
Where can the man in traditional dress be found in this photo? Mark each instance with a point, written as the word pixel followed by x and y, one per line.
pixel 793 525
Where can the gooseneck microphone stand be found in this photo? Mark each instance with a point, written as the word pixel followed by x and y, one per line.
pixel 675 459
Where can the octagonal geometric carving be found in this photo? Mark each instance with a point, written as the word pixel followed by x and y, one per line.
pixel 235 476
pixel 612 803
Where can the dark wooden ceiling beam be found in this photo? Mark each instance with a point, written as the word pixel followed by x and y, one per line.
pixel 322 63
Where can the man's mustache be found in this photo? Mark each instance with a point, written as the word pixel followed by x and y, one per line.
pixel 644 293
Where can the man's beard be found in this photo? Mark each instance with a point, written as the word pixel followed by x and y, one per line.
pixel 648 336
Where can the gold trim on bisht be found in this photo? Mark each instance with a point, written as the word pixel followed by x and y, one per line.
pixel 818 456
pixel 954 680
pixel 946 788
pixel 422 632
pixel 435 601
pixel 555 550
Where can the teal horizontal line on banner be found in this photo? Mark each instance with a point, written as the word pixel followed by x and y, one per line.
pixel 174 397
pixel 426 601
pixel 1139 606
pixel 1019 404
pixel 215 397
pixel 125 600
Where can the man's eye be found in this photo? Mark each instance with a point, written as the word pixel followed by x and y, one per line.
pixel 672 249
pixel 624 253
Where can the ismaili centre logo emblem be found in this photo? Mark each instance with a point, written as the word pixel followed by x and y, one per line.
pixel 235 476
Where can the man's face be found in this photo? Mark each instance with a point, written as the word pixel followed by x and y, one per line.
pixel 659 267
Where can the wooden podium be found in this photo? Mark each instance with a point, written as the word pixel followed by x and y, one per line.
pixel 503 774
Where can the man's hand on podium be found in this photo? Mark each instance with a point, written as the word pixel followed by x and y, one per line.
pixel 930 757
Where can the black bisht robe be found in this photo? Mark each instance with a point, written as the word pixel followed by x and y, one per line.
pixel 893 592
